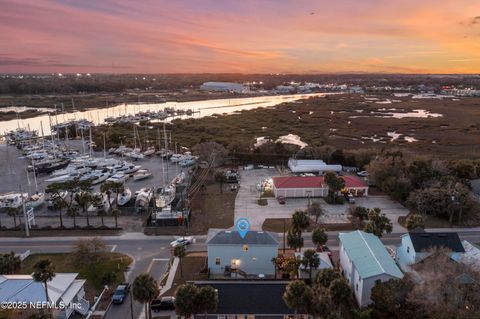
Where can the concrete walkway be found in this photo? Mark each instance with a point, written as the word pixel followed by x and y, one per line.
pixel 171 276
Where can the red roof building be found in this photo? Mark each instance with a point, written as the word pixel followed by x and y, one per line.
pixel 314 186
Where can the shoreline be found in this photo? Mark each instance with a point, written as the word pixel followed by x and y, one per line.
pixel 84 103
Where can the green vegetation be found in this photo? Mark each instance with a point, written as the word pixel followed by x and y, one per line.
pixel 111 263
pixel 329 295
pixel 145 289
pixel 191 299
pixel 437 188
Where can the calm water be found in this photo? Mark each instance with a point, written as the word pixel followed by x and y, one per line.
pixel 202 108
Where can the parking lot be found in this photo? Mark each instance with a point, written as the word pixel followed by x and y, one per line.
pixel 246 205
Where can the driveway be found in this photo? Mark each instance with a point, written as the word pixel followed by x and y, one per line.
pixel 389 207
pixel 246 205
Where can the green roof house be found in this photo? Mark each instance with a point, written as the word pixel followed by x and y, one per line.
pixel 364 260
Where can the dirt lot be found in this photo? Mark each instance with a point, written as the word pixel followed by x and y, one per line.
pixel 212 209
pixel 193 267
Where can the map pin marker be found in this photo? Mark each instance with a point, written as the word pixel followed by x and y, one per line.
pixel 243 226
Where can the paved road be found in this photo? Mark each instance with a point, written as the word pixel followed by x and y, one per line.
pixel 151 254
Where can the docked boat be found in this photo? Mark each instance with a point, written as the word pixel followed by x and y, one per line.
pixel 164 196
pixel 124 197
pixel 135 155
pixel 142 174
pixel 149 152
pixel 100 177
pixel 50 202
pixel 132 169
pixel 36 200
pixel 118 178
pixel 62 178
pixel 187 162
pixel 163 153
pixel 12 200
pixel 100 204
pixel 175 158
pixel 143 198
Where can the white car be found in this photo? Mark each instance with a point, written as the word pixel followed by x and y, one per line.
pixel 182 241
pixel 363 174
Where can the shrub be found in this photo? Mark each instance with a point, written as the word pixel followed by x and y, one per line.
pixel 262 202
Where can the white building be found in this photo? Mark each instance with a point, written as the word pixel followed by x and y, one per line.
pixel 304 271
pixel 223 87
pixel 312 166
pixel 63 289
pixel 230 255
pixel 364 260
pixel 416 246
pixel 314 186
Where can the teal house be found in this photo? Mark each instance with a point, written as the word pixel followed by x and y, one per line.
pixel 364 260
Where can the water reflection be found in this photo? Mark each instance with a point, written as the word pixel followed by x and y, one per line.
pixel 202 108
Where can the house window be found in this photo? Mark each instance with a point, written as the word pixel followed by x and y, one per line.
pixel 217 261
pixel 245 247
pixel 408 249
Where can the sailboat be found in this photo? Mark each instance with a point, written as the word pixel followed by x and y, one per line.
pixel 36 200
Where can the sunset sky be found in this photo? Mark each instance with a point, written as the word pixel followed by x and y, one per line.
pixel 261 36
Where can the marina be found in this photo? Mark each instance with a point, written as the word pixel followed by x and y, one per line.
pixel 134 112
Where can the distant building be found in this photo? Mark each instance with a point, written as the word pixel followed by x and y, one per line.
pixel 312 166
pixel 64 288
pixel 364 260
pixel 223 87
pixel 415 247
pixel 314 186
pixel 230 255
pixel 248 299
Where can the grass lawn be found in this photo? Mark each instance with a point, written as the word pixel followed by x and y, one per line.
pixel 65 262
pixel 277 225
pixel 194 268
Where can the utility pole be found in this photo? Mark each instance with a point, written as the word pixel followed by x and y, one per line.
pixel 25 218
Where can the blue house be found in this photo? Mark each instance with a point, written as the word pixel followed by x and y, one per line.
pixel 417 245
pixel 230 255
pixel 364 260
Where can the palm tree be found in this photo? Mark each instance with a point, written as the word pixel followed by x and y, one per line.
pixel 297 296
pixel 294 240
pixel 179 251
pixel 84 199
pixel 73 212
pixel 206 300
pixel 339 292
pixel 145 289
pixel 185 303
pixel 311 261
pixel 55 189
pixel 334 183
pixel 316 210
pixel 300 221
pixel 44 271
pixel 9 263
pixel 319 237
pixel 109 188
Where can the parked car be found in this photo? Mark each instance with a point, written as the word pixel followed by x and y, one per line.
pixel 281 200
pixel 120 293
pixel 363 174
pixel 349 197
pixel 164 303
pixel 183 241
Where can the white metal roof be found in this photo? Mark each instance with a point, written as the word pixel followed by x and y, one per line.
pixel 24 288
